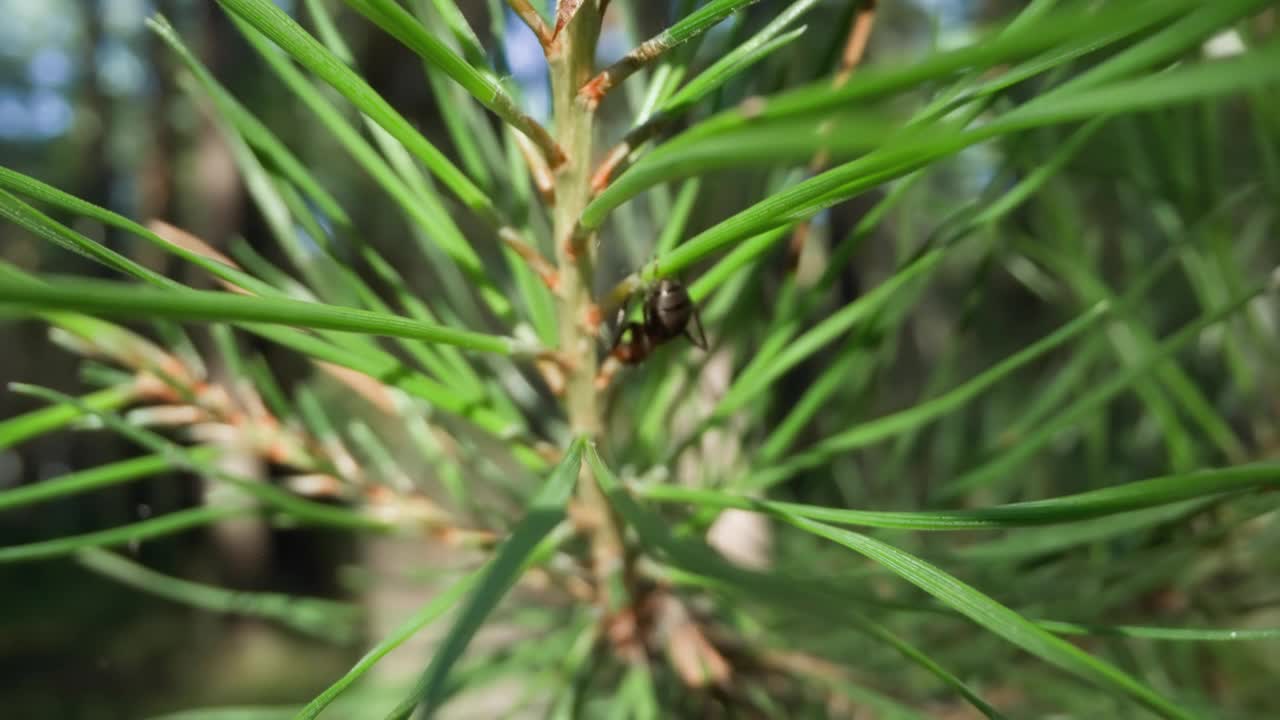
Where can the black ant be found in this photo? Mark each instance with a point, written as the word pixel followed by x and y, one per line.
pixel 666 314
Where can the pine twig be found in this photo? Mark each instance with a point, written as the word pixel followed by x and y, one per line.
pixel 565 12
pixel 856 46
pixel 854 49
pixel 600 85
pixel 572 62
pixel 530 16
pixel 690 27
pixel 540 265
pixel 615 160
pixel 543 179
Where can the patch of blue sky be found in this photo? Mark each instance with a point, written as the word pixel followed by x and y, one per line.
pixel 614 42
pixel 50 67
pixel 38 115
pixel 124 17
pixel 15 120
pixel 50 114
pixel 309 244
pixel 31 25
pixel 949 12
pixel 954 20
pixel 528 68
pixel 121 73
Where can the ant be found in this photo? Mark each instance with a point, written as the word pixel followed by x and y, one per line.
pixel 666 313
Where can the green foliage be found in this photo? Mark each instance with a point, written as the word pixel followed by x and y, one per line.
pixel 892 348
pixel 192 305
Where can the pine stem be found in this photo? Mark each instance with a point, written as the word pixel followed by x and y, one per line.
pixel 571 57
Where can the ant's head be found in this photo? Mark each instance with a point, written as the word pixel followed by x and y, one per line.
pixel 666 286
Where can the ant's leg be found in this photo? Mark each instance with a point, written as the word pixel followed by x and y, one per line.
pixel 620 322
pixel 635 349
pixel 646 311
pixel 701 339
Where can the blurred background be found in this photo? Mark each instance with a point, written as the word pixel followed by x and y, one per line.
pixel 89 102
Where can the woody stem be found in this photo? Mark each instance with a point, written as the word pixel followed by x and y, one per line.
pixel 571 59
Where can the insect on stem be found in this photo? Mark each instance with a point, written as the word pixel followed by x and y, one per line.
pixel 667 313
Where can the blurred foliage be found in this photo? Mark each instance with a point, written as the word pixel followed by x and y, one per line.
pixel 997 269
